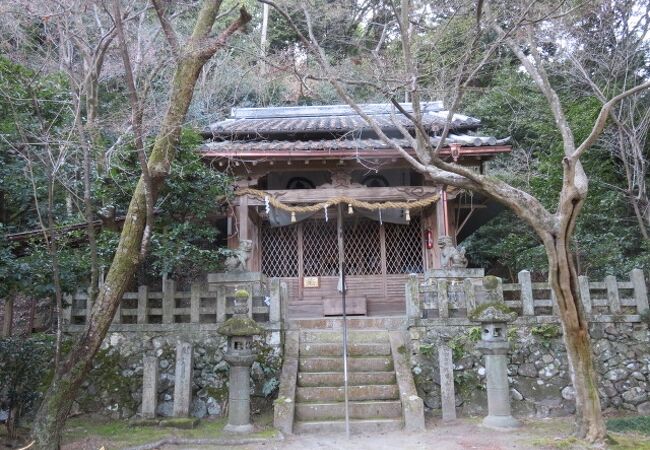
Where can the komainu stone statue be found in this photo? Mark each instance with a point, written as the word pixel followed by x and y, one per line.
pixel 451 257
pixel 237 261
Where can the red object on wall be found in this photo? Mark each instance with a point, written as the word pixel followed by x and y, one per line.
pixel 428 237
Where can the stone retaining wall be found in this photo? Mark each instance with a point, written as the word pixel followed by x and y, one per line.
pixel 538 369
pixel 115 385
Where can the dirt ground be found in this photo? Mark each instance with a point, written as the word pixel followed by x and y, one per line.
pixel 462 434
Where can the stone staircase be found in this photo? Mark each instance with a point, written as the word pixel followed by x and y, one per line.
pixel 312 397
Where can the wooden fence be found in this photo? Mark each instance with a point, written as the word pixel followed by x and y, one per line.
pixel 605 300
pixel 199 305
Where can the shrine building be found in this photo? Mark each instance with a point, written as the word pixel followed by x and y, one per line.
pixel 310 157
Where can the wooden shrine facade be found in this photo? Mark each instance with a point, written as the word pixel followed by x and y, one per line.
pixel 311 155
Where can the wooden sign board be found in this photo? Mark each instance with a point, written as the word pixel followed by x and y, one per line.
pixel 311 282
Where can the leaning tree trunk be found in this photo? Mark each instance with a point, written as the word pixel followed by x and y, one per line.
pixel 50 419
pixel 563 279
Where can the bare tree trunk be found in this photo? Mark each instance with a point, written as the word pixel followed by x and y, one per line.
pixel 563 279
pixel 54 410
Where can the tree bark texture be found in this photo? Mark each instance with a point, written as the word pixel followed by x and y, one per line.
pixel 54 409
pixel 563 279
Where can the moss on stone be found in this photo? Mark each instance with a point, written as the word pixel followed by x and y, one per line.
pixel 401 350
pixel 241 293
pixel 185 423
pixel 476 313
pixel 240 326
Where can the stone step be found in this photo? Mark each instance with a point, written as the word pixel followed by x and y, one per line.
pixel 355 364
pixel 389 409
pixel 336 323
pixel 356 426
pixel 336 349
pixel 307 379
pixel 367 336
pixel 355 393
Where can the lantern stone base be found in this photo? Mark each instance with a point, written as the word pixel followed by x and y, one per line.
pixel 229 428
pixel 501 422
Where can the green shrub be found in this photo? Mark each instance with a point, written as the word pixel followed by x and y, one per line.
pixel 25 369
pixel 639 424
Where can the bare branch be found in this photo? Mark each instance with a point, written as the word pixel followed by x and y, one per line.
pixel 602 119
pixel 167 27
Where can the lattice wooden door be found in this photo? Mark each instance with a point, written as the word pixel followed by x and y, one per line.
pixel 310 249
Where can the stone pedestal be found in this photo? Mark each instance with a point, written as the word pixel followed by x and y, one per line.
pixel 240 330
pixel 498 389
pixel 494 318
pixel 239 397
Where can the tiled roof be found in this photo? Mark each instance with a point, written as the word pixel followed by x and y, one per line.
pixel 335 124
pixel 326 145
pixel 330 119
pixel 271 131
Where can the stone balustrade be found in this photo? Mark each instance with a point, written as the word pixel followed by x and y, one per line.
pixel 450 299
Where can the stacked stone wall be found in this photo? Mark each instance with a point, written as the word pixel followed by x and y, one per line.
pixel 114 387
pixel 538 370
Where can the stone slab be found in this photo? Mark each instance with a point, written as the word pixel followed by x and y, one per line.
pixel 356 426
pixel 233 278
pixel 312 336
pixel 391 409
pixel 307 379
pixel 412 405
pixel 336 349
pixel 284 405
pixel 455 273
pixel 355 393
pixel 149 387
pixel 355 364
pixel 353 306
pixel 183 380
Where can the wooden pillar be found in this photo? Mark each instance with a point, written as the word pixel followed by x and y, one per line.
pixel 429 224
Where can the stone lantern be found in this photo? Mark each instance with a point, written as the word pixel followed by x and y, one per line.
pixel 494 319
pixel 241 331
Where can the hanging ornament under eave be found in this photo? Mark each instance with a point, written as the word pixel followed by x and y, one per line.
pixel 350 210
pixel 326 217
pixel 267 204
pixel 407 215
pixel 293 217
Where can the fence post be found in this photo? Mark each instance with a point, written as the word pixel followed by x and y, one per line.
pixel 612 294
pixel 221 304
pixel 640 290
pixel 275 306
pixel 67 310
pixel 143 299
pixel 195 302
pixel 470 295
pixel 527 302
pixel 585 295
pixel 412 292
pixel 168 301
pixel 443 299
pixel 554 305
